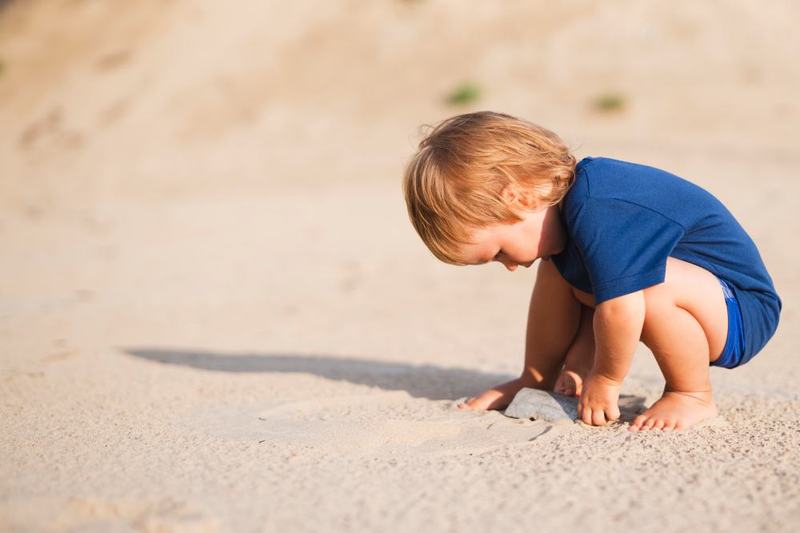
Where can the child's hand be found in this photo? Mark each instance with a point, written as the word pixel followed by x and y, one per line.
pixel 599 401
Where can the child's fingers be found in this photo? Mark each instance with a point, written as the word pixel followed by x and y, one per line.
pixel 598 417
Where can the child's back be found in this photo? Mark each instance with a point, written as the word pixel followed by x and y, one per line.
pixel 625 219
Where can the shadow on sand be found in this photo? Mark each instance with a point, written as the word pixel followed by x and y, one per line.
pixel 421 381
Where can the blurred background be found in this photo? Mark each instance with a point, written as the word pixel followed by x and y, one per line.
pixel 187 182
pixel 192 149
pixel 171 98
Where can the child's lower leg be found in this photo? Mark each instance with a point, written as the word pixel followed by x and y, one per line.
pixel 579 359
pixel 553 320
pixel 681 348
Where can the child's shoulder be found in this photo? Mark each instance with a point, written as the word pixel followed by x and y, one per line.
pixel 607 169
pixel 596 177
pixel 598 163
pixel 608 178
pixel 609 183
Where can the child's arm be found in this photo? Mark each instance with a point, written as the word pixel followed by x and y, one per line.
pixel 617 328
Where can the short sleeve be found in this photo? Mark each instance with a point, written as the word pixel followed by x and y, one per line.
pixel 624 246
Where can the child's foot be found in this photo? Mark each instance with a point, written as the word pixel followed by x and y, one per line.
pixel 569 383
pixel 495 398
pixel 676 410
pixel 577 366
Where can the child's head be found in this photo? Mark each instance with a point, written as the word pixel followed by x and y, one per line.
pixel 478 170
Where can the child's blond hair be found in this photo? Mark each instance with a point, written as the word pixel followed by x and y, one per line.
pixel 454 184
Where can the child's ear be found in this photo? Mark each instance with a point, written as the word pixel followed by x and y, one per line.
pixel 516 196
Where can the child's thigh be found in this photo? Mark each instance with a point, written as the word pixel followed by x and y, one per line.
pixel 695 290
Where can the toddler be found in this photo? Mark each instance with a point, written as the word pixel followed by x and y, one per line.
pixel 629 253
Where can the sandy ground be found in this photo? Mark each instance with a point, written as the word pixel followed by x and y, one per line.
pixel 214 315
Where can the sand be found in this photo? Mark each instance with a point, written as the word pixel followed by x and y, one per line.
pixel 214 315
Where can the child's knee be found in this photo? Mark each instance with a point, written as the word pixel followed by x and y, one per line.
pixel 548 272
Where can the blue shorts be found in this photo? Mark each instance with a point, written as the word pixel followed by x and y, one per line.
pixel 733 354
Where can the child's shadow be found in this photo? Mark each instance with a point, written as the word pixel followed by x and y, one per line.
pixel 422 381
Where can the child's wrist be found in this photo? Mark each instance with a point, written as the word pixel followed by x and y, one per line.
pixel 605 378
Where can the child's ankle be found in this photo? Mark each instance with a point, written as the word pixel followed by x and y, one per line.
pixel 533 380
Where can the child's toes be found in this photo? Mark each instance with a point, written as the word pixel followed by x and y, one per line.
pixel 648 424
pixel 636 425
pixel 659 424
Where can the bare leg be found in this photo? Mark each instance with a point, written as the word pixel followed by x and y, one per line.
pixel 685 327
pixel 553 319
pixel 580 357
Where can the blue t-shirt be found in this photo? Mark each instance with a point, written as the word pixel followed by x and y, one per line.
pixel 623 220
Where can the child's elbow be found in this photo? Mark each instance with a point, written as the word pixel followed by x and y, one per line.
pixel 627 307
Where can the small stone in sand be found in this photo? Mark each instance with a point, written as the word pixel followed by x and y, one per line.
pixel 537 404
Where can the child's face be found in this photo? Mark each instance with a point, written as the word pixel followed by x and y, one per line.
pixel 539 234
